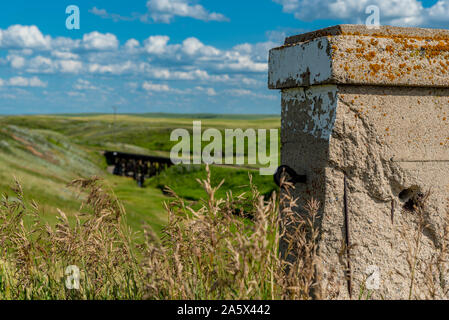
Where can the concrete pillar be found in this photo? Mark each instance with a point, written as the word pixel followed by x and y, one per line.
pixel 370 107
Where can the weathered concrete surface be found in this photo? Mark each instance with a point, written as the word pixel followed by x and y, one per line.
pixel 357 55
pixel 386 135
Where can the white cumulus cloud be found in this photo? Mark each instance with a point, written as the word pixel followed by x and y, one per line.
pixel 99 41
pixel 156 44
pixel 193 46
pixel 392 12
pixel 166 10
pixel 70 66
pixel 185 67
pixel 149 86
pixel 82 84
pixel 26 82
pixel 18 36
pixel 64 55
pixel 208 91
pixel 17 62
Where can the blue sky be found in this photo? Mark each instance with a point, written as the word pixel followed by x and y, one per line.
pixel 182 56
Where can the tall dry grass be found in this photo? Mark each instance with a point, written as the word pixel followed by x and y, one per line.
pixel 212 252
pixel 34 255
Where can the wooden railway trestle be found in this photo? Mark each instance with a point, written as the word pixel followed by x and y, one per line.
pixel 137 166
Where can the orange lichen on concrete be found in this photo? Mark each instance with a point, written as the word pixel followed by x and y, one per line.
pixel 405 55
pixel 370 55
pixel 391 55
pixel 375 67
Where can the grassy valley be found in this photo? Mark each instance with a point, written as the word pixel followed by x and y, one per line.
pixel 45 153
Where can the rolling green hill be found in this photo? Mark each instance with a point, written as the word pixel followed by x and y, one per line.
pixel 47 152
pixel 132 133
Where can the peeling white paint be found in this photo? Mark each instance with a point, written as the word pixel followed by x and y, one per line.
pixel 321 109
pixel 301 65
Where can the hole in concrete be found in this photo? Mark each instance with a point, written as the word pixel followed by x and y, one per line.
pixel 411 197
pixel 408 193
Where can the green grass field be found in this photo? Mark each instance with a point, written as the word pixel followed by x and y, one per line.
pixel 46 152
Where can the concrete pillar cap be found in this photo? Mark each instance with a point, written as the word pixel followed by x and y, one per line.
pixel 356 54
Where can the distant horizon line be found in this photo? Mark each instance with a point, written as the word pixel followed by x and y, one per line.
pixel 199 114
